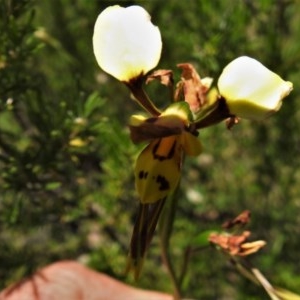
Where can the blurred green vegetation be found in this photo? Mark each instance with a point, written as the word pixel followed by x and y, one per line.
pixel 66 184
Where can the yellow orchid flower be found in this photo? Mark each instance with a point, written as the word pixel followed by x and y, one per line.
pixel 157 172
pixel 126 44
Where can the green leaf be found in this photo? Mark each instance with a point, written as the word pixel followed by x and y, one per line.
pixel 202 239
pixel 93 102
pixel 50 186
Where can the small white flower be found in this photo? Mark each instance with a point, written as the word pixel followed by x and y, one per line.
pixel 251 90
pixel 126 43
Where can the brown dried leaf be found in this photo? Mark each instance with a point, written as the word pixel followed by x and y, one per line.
pixel 164 76
pixel 249 248
pixel 241 220
pixel 191 87
pixel 236 244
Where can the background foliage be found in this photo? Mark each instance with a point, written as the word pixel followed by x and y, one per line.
pixel 66 184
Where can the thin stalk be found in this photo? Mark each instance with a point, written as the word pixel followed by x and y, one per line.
pixel 185 263
pixel 265 284
pixel 255 276
pixel 165 230
pixel 136 88
pixel 245 270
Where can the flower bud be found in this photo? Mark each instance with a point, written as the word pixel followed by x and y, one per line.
pixel 126 44
pixel 252 91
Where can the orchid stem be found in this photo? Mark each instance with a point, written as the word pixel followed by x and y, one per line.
pixel 136 88
pixel 184 268
pixel 165 230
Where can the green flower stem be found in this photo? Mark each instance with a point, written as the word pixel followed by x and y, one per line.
pixel 185 263
pixel 136 87
pixel 166 223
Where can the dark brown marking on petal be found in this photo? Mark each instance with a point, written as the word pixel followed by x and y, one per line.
pixel 143 175
pixel 164 184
